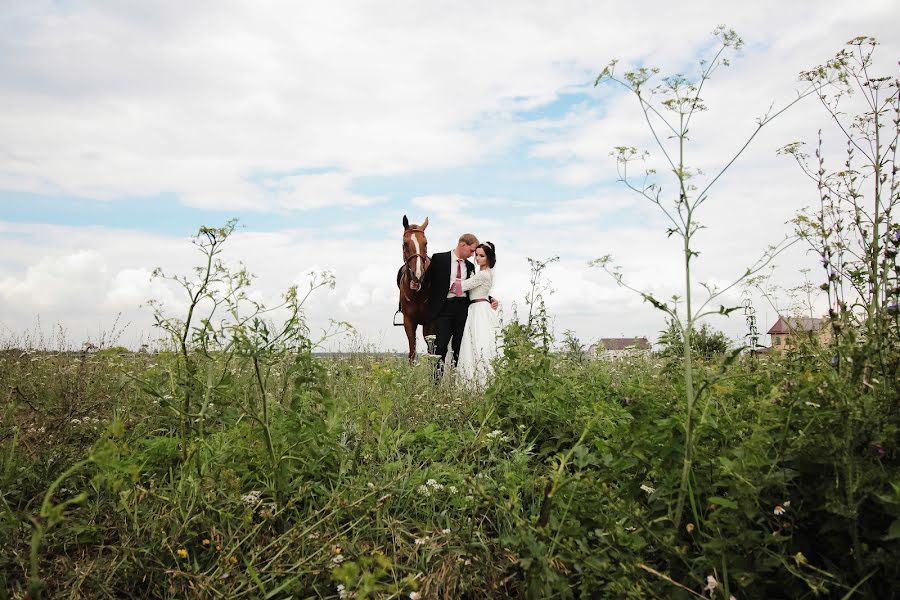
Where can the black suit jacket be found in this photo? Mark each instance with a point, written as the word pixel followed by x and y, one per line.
pixel 439 276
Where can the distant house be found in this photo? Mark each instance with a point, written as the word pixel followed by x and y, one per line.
pixel 619 347
pixel 785 333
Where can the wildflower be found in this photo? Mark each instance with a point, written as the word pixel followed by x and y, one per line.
pixel 251 498
pixel 218 547
pixel 495 434
pixel 711 584
pixel 342 592
pixel 421 541
pixel 414 595
pixel 338 559
pixel 800 558
pixel 182 553
pixel 232 559
pixel 647 488
pixel 452 488
pixel 445 531
pixel 689 527
pixel 423 490
pixel 779 510
pixel 205 542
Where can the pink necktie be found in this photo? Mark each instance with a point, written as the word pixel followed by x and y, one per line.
pixel 456 288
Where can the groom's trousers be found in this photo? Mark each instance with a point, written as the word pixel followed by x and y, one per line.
pixel 448 328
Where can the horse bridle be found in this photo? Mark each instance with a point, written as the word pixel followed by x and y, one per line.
pixel 415 283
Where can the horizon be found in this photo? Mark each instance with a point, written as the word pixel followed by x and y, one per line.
pixel 126 128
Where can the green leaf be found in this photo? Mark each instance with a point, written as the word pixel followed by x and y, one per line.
pixel 722 501
pixel 893 531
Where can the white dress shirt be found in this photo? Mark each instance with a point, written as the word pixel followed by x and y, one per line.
pixel 462 269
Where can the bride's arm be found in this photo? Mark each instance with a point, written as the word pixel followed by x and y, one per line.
pixel 480 278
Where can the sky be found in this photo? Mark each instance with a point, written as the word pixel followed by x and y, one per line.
pixel 127 126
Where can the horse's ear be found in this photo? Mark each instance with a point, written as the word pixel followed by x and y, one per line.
pixel 425 224
pixel 405 222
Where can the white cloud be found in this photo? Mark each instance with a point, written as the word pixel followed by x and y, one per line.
pixel 110 100
pixel 71 281
pixel 282 106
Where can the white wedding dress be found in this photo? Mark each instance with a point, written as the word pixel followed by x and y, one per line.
pixel 480 340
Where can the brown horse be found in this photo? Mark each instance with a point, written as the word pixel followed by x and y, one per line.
pixel 414 290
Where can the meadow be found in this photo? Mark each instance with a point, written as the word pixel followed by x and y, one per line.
pixel 557 481
pixel 236 463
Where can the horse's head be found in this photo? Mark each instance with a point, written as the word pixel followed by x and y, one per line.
pixel 415 252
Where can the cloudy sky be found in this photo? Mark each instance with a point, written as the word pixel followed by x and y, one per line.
pixel 125 126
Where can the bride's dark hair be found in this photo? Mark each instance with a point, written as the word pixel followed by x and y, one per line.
pixel 490 252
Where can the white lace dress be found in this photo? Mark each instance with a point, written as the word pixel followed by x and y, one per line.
pixel 480 340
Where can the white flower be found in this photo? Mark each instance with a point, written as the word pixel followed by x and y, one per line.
pixel 711 584
pixel 452 489
pixel 445 531
pixel 414 595
pixel 779 510
pixel 251 498
pixel 495 434
pixel 424 490
pixel 342 592
pixel 421 541
pixel 338 559
pixel 647 488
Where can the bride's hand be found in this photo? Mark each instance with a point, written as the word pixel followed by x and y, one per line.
pixel 494 303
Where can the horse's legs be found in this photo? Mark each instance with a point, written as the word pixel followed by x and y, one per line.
pixel 410 327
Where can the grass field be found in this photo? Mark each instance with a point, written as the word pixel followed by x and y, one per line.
pixel 355 476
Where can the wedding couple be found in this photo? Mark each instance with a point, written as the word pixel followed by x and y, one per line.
pixel 462 311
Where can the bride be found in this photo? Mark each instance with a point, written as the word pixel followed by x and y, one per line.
pixel 478 348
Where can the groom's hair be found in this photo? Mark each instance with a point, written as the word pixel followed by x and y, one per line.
pixel 468 239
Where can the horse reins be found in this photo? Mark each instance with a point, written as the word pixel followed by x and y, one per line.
pixel 413 279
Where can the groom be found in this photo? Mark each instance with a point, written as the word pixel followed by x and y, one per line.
pixel 448 305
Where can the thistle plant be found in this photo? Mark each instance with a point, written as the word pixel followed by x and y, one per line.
pixel 669 106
